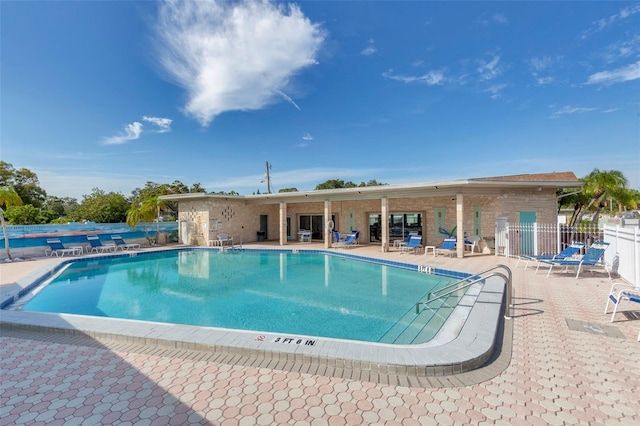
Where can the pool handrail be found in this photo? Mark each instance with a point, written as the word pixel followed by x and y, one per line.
pixel 480 276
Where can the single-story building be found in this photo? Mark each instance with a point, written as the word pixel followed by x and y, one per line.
pixel 382 214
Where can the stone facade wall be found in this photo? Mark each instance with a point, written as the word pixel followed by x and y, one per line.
pixel 205 219
pixel 242 221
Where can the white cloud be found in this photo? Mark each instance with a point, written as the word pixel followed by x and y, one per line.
pixel 541 81
pixel 307 137
pixel 568 109
pixel 604 23
pixel 543 64
pixel 496 90
pixel 134 130
pixel 498 18
pixel 370 49
pixel 491 69
pixel 432 78
pixel 234 56
pixel 164 124
pixel 131 132
pixel 622 49
pixel 288 99
pixel 620 75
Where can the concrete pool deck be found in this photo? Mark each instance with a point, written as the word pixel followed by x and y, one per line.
pixel 558 363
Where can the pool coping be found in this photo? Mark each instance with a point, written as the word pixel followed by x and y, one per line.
pixel 469 349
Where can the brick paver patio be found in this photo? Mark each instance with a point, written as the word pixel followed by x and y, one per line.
pixel 565 367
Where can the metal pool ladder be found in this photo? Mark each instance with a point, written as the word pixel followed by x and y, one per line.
pixel 469 281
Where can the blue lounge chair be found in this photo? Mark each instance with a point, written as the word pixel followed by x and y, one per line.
pixel 56 247
pixel 97 246
pixel 414 244
pixel 448 246
pixel 122 245
pixel 570 251
pixel 593 258
pixel 350 240
pixel 620 292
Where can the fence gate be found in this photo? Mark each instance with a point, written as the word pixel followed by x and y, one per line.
pixel 502 241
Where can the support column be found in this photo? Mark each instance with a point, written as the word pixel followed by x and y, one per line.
pixel 460 225
pixel 283 224
pixel 327 218
pixel 384 208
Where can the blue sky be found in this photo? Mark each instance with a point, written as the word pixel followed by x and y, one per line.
pixel 111 95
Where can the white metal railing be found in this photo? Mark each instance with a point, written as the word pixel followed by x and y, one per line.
pixel 533 239
pixel 623 253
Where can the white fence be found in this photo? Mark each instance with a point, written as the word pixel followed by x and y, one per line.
pixel 533 239
pixel 623 253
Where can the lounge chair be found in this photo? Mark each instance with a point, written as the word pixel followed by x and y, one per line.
pixel 122 245
pixel 97 246
pixel 448 246
pixel 414 244
pixel 401 243
pixel 56 247
pixel 620 292
pixel 350 240
pixel 569 252
pixel 593 258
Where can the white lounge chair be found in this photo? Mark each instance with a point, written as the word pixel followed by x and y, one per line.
pixel 97 246
pixel 620 292
pixel 448 247
pixel 56 247
pixel 122 245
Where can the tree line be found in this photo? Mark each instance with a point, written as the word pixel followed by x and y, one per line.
pixel 23 201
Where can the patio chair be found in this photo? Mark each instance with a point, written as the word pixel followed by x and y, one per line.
pixel 570 251
pixel 448 246
pixel 305 236
pixel 56 247
pixel 122 245
pixel 350 240
pixel 97 246
pixel 225 239
pixel 401 243
pixel 414 244
pixel 592 258
pixel 620 292
pixel 336 237
pixel 471 242
pixel 357 236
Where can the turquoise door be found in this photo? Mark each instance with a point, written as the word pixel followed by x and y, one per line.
pixel 527 219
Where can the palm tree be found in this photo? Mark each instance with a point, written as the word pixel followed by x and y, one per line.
pixel 598 185
pixel 8 197
pixel 146 211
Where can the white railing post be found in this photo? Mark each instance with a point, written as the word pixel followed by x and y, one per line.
pixel 636 265
pixel 535 238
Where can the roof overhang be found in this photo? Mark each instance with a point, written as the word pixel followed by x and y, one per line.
pixel 432 189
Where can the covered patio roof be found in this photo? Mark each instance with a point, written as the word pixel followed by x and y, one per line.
pixel 479 186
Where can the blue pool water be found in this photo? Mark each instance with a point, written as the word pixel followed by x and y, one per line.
pixel 296 293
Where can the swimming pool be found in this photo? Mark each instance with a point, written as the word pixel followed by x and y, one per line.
pixel 313 294
pixel 465 341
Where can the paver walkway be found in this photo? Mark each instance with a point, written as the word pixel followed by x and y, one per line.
pixel 566 368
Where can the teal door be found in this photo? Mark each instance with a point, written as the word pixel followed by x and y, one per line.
pixel 351 220
pixel 477 221
pixel 527 220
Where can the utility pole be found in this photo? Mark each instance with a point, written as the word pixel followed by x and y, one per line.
pixel 266 176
